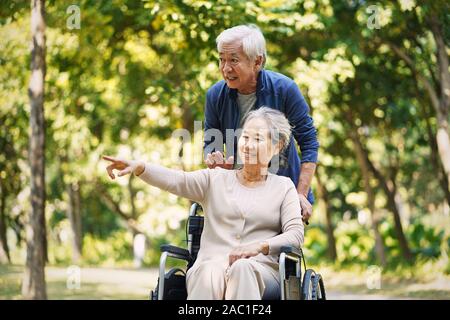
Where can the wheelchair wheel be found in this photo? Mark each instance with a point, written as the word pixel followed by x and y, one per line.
pixel 308 285
pixel 174 286
pixel 318 288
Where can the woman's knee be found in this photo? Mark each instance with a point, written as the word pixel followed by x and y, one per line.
pixel 241 266
pixel 208 268
pixel 207 281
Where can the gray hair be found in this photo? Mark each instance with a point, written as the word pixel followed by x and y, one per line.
pixel 251 38
pixel 279 127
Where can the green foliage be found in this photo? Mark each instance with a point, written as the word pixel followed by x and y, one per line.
pixel 425 241
pixel 117 249
pixel 355 243
pixel 138 70
pixel 315 246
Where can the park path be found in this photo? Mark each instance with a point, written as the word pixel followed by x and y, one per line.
pixel 115 283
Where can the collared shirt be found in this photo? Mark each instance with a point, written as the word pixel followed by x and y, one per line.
pixel 273 90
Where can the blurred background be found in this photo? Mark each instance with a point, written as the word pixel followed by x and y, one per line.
pixel 121 76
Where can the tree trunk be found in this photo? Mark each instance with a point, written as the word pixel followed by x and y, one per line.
pixel 74 213
pixel 440 103
pixel 33 286
pixel 443 139
pixel 443 181
pixel 361 156
pixel 188 117
pixel 443 142
pixel 4 249
pixel 443 64
pixel 323 193
pixel 434 154
pixel 392 205
pixel 132 194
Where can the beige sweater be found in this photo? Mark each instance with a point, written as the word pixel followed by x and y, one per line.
pixel 236 215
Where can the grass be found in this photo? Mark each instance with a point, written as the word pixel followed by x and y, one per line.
pixel 420 281
pixel 348 282
pixel 10 282
pixel 96 283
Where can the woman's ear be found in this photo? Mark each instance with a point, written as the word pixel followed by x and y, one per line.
pixel 277 148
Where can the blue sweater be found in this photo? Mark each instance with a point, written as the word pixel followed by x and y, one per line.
pixel 273 90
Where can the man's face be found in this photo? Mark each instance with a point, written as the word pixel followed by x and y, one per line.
pixel 237 70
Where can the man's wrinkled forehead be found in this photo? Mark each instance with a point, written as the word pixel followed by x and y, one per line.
pixel 233 48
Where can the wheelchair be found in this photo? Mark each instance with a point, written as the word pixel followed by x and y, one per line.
pixel 171 285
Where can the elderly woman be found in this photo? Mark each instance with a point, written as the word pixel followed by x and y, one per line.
pixel 249 213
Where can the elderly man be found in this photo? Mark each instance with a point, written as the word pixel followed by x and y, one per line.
pixel 247 86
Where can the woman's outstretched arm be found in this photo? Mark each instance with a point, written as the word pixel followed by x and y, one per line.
pixel 192 185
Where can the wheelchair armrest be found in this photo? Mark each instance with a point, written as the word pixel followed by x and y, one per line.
pixel 290 250
pixel 182 253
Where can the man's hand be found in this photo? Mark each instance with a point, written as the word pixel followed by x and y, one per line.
pixel 216 159
pixel 306 208
pixel 247 251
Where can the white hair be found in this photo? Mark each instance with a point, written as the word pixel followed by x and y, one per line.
pixel 251 38
pixel 279 127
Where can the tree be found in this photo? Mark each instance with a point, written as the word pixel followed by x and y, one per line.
pixel 362 158
pixel 136 72
pixel 4 249
pixel 324 195
pixel 409 38
pixel 74 213
pixel 34 278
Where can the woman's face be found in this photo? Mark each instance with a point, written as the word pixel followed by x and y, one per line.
pixel 255 144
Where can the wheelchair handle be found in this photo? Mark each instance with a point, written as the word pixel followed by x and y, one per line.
pixel 193 209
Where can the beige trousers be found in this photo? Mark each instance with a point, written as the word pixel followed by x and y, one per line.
pixel 246 279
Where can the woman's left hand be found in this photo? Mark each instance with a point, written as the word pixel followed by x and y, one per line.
pixel 244 252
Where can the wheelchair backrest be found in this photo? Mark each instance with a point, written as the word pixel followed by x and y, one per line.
pixel 194 231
